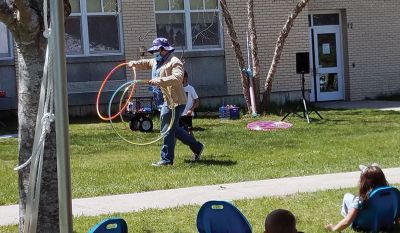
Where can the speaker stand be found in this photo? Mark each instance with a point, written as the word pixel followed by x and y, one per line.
pixel 303 103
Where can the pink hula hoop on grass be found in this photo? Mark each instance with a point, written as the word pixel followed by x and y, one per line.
pixel 268 125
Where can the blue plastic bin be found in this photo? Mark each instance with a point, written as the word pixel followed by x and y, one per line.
pixel 234 113
pixel 224 112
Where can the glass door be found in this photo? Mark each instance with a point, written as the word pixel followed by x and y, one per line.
pixel 327 57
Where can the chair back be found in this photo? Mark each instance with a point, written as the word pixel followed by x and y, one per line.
pixel 380 210
pixel 110 225
pixel 221 217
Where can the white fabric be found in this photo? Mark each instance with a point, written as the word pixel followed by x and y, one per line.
pixel 191 96
pixel 350 202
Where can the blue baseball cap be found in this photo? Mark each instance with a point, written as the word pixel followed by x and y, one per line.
pixel 160 43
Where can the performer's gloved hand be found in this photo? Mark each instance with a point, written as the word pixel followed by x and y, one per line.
pixel 132 63
pixel 154 82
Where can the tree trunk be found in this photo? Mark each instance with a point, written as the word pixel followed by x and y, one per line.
pixel 254 52
pixel 24 18
pixel 278 51
pixel 30 71
pixel 266 96
pixel 238 53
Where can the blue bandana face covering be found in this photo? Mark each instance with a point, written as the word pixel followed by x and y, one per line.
pixel 157 56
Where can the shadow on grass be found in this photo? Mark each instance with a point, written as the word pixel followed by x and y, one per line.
pixel 211 162
pixel 200 129
pixel 318 121
pixel 8 122
pixel 313 117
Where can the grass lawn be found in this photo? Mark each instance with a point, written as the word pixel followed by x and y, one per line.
pixel 103 164
pixel 312 210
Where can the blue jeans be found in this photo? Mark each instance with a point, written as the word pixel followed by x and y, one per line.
pixel 176 132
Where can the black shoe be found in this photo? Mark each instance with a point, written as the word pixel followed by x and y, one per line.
pixel 161 163
pixel 197 156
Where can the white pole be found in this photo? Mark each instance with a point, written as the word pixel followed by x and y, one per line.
pixel 252 99
pixel 251 88
pixel 61 112
pixel 248 51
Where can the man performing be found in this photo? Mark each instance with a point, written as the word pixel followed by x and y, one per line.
pixel 167 72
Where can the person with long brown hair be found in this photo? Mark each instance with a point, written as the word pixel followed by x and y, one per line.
pixel 371 177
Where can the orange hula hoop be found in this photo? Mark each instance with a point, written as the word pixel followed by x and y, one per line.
pixel 102 88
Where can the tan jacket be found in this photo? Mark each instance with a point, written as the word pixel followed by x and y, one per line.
pixel 171 76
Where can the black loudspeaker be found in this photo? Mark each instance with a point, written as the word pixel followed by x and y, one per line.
pixel 302 63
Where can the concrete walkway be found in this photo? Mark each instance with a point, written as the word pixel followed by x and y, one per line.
pixel 366 104
pixel 199 194
pixel 8 136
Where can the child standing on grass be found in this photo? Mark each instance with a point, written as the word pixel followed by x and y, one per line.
pixel 192 103
pixel 372 177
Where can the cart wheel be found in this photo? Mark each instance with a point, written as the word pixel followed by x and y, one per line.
pixel 134 124
pixel 146 124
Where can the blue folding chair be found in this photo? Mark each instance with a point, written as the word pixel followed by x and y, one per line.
pixel 110 225
pixel 221 217
pixel 380 211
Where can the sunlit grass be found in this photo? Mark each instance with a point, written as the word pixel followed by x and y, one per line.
pixel 312 210
pixel 103 164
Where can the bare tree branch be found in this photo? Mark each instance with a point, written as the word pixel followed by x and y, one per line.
pixel 238 52
pixel 254 52
pixel 5 9
pixel 26 20
pixel 279 49
pixel 67 8
pixel 25 12
pixel 7 14
pixel 205 33
pixel 202 33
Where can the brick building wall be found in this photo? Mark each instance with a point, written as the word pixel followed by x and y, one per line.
pixel 205 68
pixel 370 30
pixel 371 52
pixel 270 18
pixel 373 29
pixel 139 31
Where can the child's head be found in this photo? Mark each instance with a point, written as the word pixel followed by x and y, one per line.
pixel 280 221
pixel 185 79
pixel 371 178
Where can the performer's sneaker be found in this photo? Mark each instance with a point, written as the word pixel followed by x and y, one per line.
pixel 161 163
pixel 197 156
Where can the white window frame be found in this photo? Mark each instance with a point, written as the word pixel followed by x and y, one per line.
pixel 188 26
pixel 10 46
pixel 85 31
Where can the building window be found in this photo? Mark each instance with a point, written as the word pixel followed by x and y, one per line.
pixel 5 42
pixel 326 19
pixel 94 28
pixel 189 24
